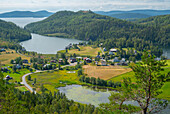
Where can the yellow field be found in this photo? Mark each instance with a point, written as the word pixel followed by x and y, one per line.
pixel 104 72
pixel 6 58
pixel 85 50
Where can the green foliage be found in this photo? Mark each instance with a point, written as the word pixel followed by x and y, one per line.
pixel 93 27
pixel 29 77
pixel 9 31
pixel 149 82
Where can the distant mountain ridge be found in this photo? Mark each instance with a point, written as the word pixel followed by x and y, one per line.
pixel 134 13
pixel 19 14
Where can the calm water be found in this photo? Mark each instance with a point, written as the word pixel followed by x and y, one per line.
pixel 89 95
pixel 84 94
pixel 47 45
pixel 38 43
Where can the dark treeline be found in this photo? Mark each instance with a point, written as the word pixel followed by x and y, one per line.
pixel 14 101
pixel 86 25
pixel 138 44
pixel 99 82
pixel 10 45
pixel 10 32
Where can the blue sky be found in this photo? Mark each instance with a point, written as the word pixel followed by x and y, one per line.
pixel 74 5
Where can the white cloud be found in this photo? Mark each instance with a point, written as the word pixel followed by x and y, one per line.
pixel 55 5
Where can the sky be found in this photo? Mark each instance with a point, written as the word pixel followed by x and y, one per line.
pixel 75 5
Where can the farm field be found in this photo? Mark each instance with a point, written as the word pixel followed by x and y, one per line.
pixel 53 79
pixel 85 51
pixel 104 72
pixel 6 58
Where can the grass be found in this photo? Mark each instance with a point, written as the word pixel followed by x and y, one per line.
pixel 104 72
pixel 85 51
pixel 6 58
pixel 17 75
pixel 51 80
pixel 22 88
pixel 165 88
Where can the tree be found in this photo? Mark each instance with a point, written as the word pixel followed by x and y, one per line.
pixel 79 72
pixel 14 68
pixel 35 80
pixel 29 78
pixel 30 69
pixel 149 82
pixel 12 61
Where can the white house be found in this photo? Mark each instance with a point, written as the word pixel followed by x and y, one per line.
pixel 113 50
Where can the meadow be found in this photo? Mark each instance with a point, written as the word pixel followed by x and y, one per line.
pixel 53 79
pixel 5 58
pixel 84 51
pixel 165 88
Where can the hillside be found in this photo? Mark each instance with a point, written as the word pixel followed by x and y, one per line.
pixel 10 32
pixel 130 16
pixel 86 25
pixel 18 14
pixel 144 12
pixel 162 22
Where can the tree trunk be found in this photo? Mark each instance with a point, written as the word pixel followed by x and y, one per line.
pixel 144 110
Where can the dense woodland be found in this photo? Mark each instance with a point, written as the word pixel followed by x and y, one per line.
pixel 10 32
pixel 86 25
pixel 14 101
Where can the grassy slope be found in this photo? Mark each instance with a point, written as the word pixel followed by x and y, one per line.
pixel 18 75
pixel 165 88
pixel 51 80
pixel 6 58
pixel 84 51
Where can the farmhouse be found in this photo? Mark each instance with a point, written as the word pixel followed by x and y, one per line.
pixel 18 66
pixel 88 60
pixel 104 49
pixel 72 60
pixel 8 77
pixel 4 69
pixel 25 61
pixel 79 58
pixel 2 49
pixel 116 59
pixel 113 50
pixel 60 60
pixel 103 62
pixel 53 61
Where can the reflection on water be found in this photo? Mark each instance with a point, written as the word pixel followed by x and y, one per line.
pixel 86 95
pixel 93 95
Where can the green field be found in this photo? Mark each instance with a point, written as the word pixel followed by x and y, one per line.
pixel 165 88
pixel 17 76
pixel 52 79
pixel 84 51
pixel 22 88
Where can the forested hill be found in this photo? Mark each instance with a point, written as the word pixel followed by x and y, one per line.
pixel 19 14
pixel 10 32
pixel 160 22
pixel 86 25
pixel 163 20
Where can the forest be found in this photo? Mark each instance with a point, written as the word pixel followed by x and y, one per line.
pixel 86 25
pixel 11 32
